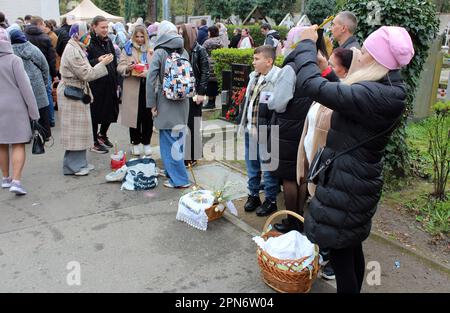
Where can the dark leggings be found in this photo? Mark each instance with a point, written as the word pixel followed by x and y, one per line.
pixel 103 129
pixel 143 132
pixel 349 266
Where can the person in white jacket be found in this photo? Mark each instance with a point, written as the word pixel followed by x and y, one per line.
pixel 246 41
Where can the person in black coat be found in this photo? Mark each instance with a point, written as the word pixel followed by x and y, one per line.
pixel 199 61
pixel 369 103
pixel 105 107
pixel 236 38
pixel 36 36
pixel 202 32
pixel 63 36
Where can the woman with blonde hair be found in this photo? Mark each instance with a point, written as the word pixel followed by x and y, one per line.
pixel 75 97
pixel 134 113
pixel 366 109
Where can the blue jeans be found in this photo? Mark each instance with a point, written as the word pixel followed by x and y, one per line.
pixel 172 155
pixel 271 183
pixel 51 105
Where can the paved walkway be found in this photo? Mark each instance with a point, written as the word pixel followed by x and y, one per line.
pixel 131 241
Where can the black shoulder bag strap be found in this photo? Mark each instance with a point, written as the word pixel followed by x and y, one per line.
pixel 314 172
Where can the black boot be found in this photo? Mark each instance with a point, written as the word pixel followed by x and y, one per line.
pixel 267 208
pixel 253 202
pixel 288 224
pixel 210 105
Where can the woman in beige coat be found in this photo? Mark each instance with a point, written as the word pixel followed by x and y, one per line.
pixel 134 113
pixel 76 129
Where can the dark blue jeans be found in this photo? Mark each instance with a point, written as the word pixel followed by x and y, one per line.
pixel 254 164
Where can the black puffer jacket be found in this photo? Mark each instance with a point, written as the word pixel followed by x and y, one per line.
pixel 290 124
pixel 200 64
pixel 347 194
pixel 35 35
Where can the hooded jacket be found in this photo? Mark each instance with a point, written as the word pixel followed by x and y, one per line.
pixel 170 113
pixel 17 101
pixel 42 41
pixel 37 70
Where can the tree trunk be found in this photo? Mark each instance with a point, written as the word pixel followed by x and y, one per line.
pixel 151 11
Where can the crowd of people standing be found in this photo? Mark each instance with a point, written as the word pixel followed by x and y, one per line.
pixel 332 108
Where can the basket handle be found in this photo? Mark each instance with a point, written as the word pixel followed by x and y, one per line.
pixel 282 212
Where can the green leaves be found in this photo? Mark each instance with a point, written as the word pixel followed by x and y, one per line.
pixel 419 18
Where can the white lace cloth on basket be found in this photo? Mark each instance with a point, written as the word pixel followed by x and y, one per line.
pixel 192 206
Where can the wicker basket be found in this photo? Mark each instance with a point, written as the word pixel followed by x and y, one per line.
pixel 286 280
pixel 212 214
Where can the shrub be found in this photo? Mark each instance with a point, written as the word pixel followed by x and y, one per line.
pixel 439 147
pixel 418 17
pixel 225 57
pixel 255 32
pixel 318 10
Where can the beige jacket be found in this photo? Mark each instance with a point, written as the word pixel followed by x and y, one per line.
pixel 130 95
pixel 323 121
pixel 76 128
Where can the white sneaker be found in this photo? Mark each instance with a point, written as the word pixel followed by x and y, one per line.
pixel 117 176
pixel 17 188
pixel 147 150
pixel 136 150
pixel 83 172
pixel 90 167
pixel 6 182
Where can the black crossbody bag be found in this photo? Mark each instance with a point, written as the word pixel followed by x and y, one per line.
pixel 317 166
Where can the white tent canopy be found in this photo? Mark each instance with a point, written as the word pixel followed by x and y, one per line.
pixel 86 11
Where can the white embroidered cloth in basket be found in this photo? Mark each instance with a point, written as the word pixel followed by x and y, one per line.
pixel 192 206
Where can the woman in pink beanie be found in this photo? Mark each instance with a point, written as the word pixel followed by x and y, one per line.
pixel 366 109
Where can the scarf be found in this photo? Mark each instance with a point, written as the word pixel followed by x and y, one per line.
pixel 248 36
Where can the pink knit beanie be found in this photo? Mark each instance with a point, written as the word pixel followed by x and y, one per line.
pixel 391 46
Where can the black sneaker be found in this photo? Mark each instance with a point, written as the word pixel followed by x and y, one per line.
pixel 253 202
pixel 103 140
pixel 98 148
pixel 328 272
pixel 266 208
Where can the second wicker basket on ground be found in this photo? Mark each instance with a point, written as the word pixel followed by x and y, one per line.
pixel 282 275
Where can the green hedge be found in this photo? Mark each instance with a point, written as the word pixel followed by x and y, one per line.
pixel 225 57
pixel 255 32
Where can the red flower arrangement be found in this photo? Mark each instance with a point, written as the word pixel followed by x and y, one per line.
pixel 236 100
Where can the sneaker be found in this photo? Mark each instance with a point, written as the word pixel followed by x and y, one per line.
pixel 17 188
pixel 136 150
pixel 90 167
pixel 100 149
pixel 103 140
pixel 147 150
pixel 168 184
pixel 266 208
pixel 328 272
pixel 253 202
pixel 117 176
pixel 83 172
pixel 6 182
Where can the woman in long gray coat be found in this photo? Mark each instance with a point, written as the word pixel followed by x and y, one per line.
pixel 76 128
pixel 17 107
pixel 170 117
pixel 37 70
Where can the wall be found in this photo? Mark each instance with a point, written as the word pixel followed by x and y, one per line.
pixel 19 8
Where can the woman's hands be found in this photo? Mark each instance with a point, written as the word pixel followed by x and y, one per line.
pixel 106 59
pixel 310 33
pixel 154 112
